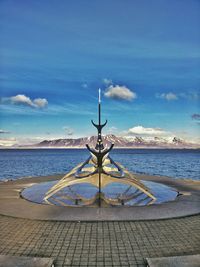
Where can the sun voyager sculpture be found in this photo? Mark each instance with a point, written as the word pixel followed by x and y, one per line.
pixel 99 170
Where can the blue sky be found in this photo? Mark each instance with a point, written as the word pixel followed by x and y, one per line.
pixel 56 54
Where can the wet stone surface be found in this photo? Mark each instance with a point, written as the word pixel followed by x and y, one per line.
pixel 100 243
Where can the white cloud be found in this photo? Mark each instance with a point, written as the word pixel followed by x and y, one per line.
pixel 190 95
pixel 140 130
pixel 8 142
pixel 184 95
pixel 107 81
pixel 21 99
pixel 120 92
pixel 40 102
pixel 112 130
pixel 25 100
pixel 4 132
pixel 168 96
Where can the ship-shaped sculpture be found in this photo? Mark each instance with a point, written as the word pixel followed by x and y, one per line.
pixel 99 170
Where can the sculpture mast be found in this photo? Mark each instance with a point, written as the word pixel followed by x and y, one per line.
pixel 99 145
pixel 99 150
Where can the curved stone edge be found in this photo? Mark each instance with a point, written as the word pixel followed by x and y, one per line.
pixel 186 204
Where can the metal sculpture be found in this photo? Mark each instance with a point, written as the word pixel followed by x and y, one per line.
pixel 100 174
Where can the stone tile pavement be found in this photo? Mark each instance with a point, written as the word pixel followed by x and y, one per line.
pixel 100 243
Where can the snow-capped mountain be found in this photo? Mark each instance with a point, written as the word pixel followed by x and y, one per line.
pixel 120 142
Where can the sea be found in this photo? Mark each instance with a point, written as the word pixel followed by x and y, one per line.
pixel 175 163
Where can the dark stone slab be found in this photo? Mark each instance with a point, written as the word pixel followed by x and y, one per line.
pixel 179 261
pixel 17 261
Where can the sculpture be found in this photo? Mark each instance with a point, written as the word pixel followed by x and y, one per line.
pixel 102 171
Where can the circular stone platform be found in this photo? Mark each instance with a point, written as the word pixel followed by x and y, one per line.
pixel 187 203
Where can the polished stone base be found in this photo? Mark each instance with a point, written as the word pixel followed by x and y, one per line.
pixel 162 193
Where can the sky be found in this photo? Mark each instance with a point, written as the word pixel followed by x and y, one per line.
pixel 144 55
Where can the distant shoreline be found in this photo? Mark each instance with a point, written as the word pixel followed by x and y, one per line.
pixel 156 148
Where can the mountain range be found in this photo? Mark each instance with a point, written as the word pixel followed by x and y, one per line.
pixel 120 142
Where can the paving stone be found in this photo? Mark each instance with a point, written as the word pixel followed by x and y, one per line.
pixel 181 261
pixel 100 243
pixel 13 261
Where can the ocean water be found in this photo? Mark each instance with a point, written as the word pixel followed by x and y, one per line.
pixel 176 163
